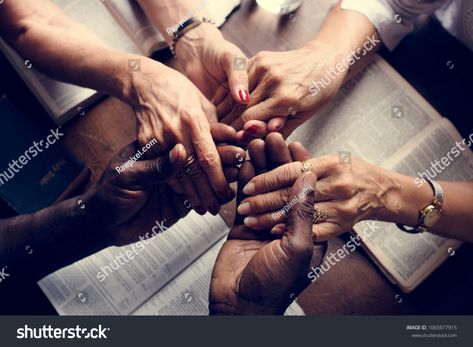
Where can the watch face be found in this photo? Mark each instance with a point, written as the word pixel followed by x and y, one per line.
pixel 431 217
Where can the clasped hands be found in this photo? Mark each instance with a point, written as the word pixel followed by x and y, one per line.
pixel 264 94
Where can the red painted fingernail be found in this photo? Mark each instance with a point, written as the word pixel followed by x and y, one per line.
pixel 252 129
pixel 200 210
pixel 244 96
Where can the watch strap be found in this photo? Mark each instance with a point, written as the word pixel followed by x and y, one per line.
pixel 437 202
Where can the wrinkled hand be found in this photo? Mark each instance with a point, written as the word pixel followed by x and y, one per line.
pixel 254 272
pixel 282 88
pixel 171 110
pixel 128 202
pixel 211 61
pixel 349 192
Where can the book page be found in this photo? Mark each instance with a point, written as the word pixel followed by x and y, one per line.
pixel 117 280
pixel 94 15
pixel 411 258
pixel 132 18
pixel 134 21
pixel 188 293
pixel 375 113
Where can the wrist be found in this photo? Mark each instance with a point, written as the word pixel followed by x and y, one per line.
pixel 404 199
pixel 136 79
pixel 191 44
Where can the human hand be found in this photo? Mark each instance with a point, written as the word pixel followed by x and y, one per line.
pixel 347 192
pixel 254 272
pixel 282 89
pixel 210 61
pixel 171 110
pixel 130 201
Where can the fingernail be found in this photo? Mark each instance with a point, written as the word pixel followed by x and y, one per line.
pixel 200 210
pixel 250 222
pixel 173 155
pixel 279 127
pixel 244 96
pixel 244 208
pixel 214 210
pixel 249 188
pixel 252 129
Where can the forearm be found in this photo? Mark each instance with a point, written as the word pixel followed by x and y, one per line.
pixel 167 15
pixel 35 245
pixel 406 198
pixel 65 49
pixel 348 34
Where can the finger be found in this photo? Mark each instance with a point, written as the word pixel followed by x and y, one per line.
pixel 286 175
pixel 247 171
pixel 263 111
pixel 231 155
pixel 257 152
pixel 233 113
pixel 277 151
pixel 236 69
pixel 267 202
pixel 204 189
pixel 143 173
pixel 222 133
pixel 220 94
pixel 297 240
pixel 208 158
pixel 228 109
pixel 326 231
pixel 276 124
pixel 253 129
pixel 298 152
pixel 231 173
pixel 174 184
pixel 278 230
pixel 191 194
pixel 265 221
pixel 180 205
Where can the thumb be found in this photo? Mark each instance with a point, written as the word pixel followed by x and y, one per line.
pixel 297 240
pixel 236 69
pixel 154 171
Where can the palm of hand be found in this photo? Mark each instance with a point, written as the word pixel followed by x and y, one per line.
pixel 246 273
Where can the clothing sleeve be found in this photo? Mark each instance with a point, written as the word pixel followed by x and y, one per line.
pixel 393 19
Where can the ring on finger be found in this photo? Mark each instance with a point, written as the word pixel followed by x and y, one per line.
pixel 306 166
pixel 188 167
pixel 320 215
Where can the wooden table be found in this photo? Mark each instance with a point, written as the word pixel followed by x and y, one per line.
pixel 354 285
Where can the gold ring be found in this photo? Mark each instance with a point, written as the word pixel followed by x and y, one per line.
pixel 320 215
pixel 306 166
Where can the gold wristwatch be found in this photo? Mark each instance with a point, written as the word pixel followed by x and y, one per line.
pixel 430 214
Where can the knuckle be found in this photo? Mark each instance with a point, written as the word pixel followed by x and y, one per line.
pixel 208 159
pixel 305 210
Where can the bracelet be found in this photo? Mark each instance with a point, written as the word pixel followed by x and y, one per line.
pixel 188 25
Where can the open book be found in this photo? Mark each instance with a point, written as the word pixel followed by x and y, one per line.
pixel 168 275
pixel 378 116
pixel 123 26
